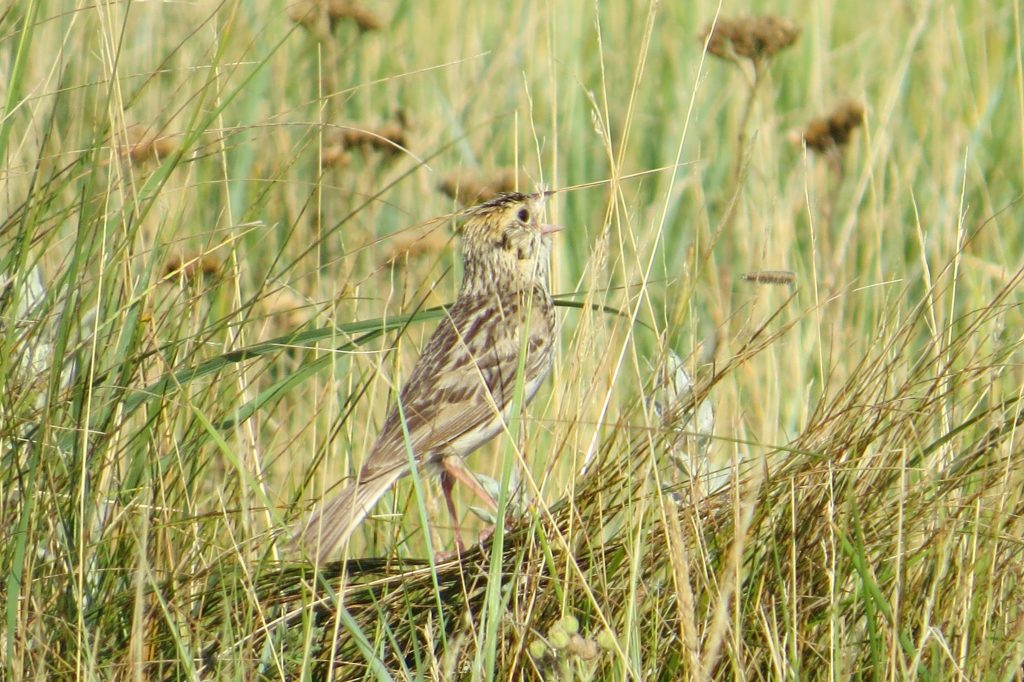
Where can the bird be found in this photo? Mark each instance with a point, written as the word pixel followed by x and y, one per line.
pixel 462 388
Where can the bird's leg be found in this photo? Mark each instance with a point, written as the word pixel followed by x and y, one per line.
pixel 447 483
pixel 453 469
pixel 452 466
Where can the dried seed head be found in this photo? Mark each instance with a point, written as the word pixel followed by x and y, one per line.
pixel 306 12
pixel 770 276
pixel 334 156
pixel 365 19
pixel 285 308
pixel 834 131
pixel 584 648
pixel 388 139
pixel 414 244
pixel 754 38
pixel 189 267
pixel 144 144
pixel 303 12
pixel 469 188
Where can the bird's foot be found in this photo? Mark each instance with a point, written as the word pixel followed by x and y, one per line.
pixel 445 557
pixel 485 535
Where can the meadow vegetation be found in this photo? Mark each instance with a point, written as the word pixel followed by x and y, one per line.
pixel 226 228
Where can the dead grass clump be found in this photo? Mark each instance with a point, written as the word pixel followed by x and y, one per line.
pixel 890 495
pixel 307 12
pixel 756 38
pixel 468 188
pixel 431 614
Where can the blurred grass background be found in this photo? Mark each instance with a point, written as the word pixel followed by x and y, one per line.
pixel 185 181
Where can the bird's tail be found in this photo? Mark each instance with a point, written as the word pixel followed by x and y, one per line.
pixel 332 525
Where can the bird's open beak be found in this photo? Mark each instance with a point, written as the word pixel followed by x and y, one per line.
pixel 546 228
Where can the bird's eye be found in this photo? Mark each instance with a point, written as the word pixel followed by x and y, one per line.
pixel 523 215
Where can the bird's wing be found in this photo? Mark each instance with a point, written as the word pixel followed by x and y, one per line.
pixel 462 383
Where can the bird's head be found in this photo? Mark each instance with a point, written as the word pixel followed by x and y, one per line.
pixel 506 244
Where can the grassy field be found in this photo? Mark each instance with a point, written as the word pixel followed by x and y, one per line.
pixel 223 240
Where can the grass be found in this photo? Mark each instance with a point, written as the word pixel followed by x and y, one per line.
pixel 207 302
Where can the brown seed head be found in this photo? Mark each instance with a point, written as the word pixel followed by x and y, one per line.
pixel 834 131
pixel 364 18
pixel 285 309
pixel 306 12
pixel 770 276
pixel 334 155
pixel 192 266
pixel 414 244
pixel 583 647
pixel 388 139
pixel 473 187
pixel 754 38
pixel 144 144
